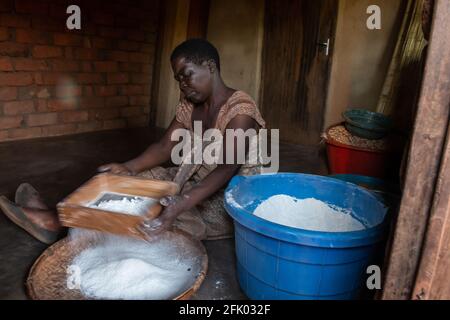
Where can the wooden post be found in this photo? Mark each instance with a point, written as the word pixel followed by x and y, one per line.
pixel 433 276
pixel 425 179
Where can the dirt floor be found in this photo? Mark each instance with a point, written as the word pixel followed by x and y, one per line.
pixel 57 166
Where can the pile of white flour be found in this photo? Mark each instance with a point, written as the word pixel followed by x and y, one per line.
pixel 128 205
pixel 120 268
pixel 123 268
pixel 307 214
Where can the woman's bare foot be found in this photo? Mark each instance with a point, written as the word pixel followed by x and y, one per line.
pixel 46 219
pixel 33 206
pixel 29 197
pixel 41 224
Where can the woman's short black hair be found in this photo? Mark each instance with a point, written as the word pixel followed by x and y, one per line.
pixel 196 51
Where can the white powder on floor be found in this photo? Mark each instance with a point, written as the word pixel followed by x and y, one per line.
pixel 128 205
pixel 121 268
pixel 307 214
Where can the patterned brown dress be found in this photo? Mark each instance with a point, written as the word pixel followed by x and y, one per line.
pixel 209 219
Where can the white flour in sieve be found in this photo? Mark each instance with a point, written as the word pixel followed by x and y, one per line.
pixel 127 205
pixel 307 214
pixel 121 268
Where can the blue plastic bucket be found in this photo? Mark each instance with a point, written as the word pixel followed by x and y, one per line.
pixel 280 262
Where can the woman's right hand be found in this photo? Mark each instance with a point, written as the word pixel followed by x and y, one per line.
pixel 116 168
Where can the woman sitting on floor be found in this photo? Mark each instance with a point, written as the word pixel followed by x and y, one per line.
pixel 198 209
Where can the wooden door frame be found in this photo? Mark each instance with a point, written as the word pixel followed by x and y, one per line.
pixel 157 64
pixel 198 18
pixel 196 28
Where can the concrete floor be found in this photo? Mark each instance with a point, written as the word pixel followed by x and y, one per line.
pixel 57 166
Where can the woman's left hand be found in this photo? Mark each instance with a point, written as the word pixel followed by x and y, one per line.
pixel 173 206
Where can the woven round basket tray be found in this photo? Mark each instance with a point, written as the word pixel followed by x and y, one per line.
pixel 48 277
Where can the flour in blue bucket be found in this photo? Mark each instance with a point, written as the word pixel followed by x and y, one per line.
pixel 308 214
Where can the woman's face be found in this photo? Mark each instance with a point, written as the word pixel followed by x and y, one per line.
pixel 195 80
